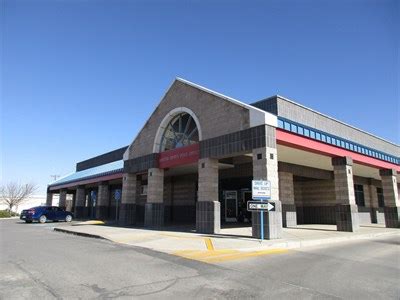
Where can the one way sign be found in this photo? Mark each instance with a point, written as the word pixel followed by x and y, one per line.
pixel 260 206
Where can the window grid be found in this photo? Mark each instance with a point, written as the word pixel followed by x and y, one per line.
pixel 334 140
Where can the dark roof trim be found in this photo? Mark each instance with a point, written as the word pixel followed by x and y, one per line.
pixel 101 159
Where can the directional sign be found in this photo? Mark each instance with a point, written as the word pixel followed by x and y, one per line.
pixel 260 206
pixel 261 189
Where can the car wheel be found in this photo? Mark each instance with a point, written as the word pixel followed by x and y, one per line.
pixel 68 218
pixel 42 219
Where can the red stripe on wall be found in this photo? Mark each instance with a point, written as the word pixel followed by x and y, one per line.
pixel 299 142
pixel 87 181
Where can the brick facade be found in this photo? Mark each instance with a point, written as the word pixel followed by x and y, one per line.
pixel 216 115
pixel 347 218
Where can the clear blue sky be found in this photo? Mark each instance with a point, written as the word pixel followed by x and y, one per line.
pixel 79 78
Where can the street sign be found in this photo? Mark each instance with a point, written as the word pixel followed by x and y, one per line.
pixel 261 189
pixel 117 195
pixel 260 206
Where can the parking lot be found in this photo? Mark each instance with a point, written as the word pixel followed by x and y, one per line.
pixel 37 262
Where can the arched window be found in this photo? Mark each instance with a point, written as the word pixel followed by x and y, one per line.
pixel 181 131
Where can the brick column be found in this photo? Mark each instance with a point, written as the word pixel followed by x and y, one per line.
pixel 154 207
pixel 49 199
pixel 208 208
pixel 346 209
pixel 286 196
pixel 103 199
pixel 127 210
pixel 265 167
pixel 80 199
pixel 63 199
pixel 391 196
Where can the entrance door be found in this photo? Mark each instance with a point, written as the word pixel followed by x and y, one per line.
pixel 231 206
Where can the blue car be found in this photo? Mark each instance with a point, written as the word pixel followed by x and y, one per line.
pixel 44 213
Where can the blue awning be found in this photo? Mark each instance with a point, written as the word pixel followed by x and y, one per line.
pixel 103 170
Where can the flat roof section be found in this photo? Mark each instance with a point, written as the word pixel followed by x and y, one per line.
pixel 99 171
pixel 286 108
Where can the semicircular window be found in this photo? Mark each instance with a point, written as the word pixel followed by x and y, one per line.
pixel 181 131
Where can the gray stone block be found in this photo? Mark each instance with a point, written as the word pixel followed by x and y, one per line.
pixel 272 223
pixel 127 214
pixel 392 217
pixel 347 218
pixel 80 212
pixel 208 217
pixel 289 215
pixel 154 215
pixel 101 212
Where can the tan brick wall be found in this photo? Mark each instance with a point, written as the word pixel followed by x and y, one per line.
pixel 155 186
pixel 208 179
pixel 129 188
pixel 266 168
pixel 390 191
pixel 286 188
pixel 183 190
pixel 298 193
pixel 344 185
pixel 104 195
pixel 216 116
pixel 315 193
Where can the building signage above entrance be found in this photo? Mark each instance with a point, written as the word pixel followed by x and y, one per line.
pixel 179 156
pixel 261 189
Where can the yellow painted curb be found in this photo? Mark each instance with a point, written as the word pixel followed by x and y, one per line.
pixel 215 256
pixel 90 222
pixel 209 244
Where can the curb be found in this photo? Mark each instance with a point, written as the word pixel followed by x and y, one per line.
pixel 10 218
pixel 84 234
pixel 273 245
pixel 319 242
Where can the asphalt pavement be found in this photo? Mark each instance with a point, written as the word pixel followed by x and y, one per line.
pixel 37 262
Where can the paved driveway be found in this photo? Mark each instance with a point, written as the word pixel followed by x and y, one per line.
pixel 38 262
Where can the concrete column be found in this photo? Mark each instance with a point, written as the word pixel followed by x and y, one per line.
pixel 265 167
pixel 63 199
pixel 391 196
pixel 208 208
pixel 80 199
pixel 127 210
pixel 49 199
pixel 103 199
pixel 346 209
pixel 154 208
pixel 286 196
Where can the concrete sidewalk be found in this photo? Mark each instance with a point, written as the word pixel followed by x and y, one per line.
pixel 230 243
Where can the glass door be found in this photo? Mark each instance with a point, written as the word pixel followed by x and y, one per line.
pixel 231 206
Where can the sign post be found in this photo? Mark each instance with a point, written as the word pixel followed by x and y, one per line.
pixel 117 197
pixel 261 190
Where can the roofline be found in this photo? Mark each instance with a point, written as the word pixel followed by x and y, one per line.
pixel 108 152
pixel 326 116
pixel 230 99
pixel 197 86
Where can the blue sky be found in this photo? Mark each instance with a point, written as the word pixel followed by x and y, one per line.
pixel 79 78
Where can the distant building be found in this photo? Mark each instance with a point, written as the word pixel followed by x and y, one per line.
pixel 34 200
pixel 194 160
